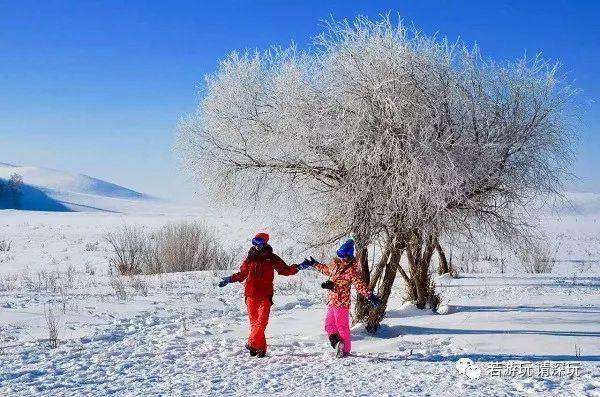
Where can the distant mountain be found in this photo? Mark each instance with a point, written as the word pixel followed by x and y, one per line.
pixel 577 203
pixel 47 189
pixel 67 182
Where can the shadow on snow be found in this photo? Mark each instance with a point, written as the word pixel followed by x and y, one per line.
pixel 481 357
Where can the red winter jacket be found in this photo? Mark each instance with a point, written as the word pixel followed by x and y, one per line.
pixel 258 271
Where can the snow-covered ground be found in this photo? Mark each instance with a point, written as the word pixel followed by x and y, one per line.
pixel 178 334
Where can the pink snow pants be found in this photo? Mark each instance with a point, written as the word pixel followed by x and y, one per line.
pixel 337 321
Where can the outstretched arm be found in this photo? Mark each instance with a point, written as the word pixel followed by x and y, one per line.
pixel 361 287
pixel 323 268
pixel 242 274
pixel 284 269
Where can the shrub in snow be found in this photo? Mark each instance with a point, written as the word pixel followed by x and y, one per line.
pixel 118 285
pixel 537 260
pixel 70 275
pixel 52 326
pixel 8 283
pixel 433 298
pixel 175 247
pixel 5 245
pixel 128 247
pixel 48 280
pixel 90 269
pixel 90 247
pixel 185 246
pixel 167 285
pixel 139 285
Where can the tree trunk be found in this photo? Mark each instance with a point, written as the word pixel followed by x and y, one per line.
pixel 443 267
pixel 410 289
pixel 378 270
pixel 376 314
pixel 419 255
pixel 362 305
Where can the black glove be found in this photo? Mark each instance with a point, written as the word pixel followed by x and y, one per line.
pixel 374 300
pixel 224 281
pixel 305 264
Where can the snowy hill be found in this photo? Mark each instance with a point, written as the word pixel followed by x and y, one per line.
pixel 48 189
pixel 67 182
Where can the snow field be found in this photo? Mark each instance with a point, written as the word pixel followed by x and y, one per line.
pixel 178 334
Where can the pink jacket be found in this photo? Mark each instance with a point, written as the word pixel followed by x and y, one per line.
pixel 343 274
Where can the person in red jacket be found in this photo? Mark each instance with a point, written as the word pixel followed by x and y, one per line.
pixel 258 271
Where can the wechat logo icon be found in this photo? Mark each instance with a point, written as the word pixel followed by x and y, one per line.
pixel 467 367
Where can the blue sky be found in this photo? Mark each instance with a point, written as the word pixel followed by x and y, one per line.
pixel 96 87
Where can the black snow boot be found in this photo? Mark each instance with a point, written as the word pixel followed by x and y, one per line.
pixel 334 339
pixel 253 351
pixel 261 353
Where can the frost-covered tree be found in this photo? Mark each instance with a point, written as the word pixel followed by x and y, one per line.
pixel 11 191
pixel 3 190
pixel 15 187
pixel 391 136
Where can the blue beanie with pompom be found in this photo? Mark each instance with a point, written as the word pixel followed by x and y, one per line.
pixel 346 250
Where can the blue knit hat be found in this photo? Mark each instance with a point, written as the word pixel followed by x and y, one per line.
pixel 346 250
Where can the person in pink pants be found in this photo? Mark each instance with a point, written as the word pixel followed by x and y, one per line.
pixel 342 274
pixel 337 326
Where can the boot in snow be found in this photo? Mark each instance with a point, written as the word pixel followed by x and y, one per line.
pixel 334 339
pixel 252 350
pixel 261 353
pixel 338 345
pixel 339 350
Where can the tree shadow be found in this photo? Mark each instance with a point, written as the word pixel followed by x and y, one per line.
pixel 412 313
pixel 549 281
pixel 397 330
pixel 529 309
pixel 388 332
pixel 479 357
pixel 560 283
